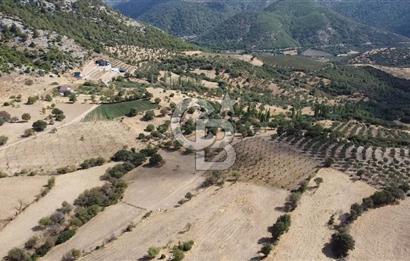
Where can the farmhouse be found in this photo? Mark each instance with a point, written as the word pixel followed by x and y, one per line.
pixel 101 62
pixel 64 89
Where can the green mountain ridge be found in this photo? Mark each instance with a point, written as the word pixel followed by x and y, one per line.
pixel 391 15
pixel 186 17
pixel 293 23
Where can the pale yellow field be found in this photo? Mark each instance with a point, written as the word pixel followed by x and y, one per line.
pixel 67 188
pixel 17 193
pixel 309 231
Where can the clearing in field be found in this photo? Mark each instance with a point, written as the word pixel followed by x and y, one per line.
pixel 115 110
pixel 309 231
pixel 383 233
pixel 225 224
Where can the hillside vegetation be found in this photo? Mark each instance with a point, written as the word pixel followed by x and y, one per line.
pixel 290 23
pixel 389 15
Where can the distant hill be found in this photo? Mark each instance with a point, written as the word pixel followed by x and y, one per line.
pixel 288 23
pixel 59 33
pixel 186 17
pixel 391 15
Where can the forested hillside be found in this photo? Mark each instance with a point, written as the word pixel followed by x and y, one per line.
pixel 290 23
pixel 392 15
pixel 50 34
pixel 186 17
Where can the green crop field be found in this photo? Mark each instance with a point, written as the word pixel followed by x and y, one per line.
pixel 115 110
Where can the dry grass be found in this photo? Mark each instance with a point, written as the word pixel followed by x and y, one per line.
pixel 383 234
pixel 309 231
pixel 70 145
pixel 149 189
pixel 67 188
pixel 16 194
pixel 226 224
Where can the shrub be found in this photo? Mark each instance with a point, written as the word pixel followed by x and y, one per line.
pixel 28 133
pixel 65 236
pixel 328 162
pixel 132 112
pixel 26 117
pixel 3 140
pixel 280 227
pixel 341 243
pixel 73 98
pixel 39 125
pixel 92 163
pixel 31 100
pixel 17 254
pixel 293 201
pixel 153 252
pixel 31 243
pixel 72 255
pixel 177 254
pixel 266 249
pixel 150 128
pixel 186 246
pixel 155 160
pixel 148 116
pixel 45 222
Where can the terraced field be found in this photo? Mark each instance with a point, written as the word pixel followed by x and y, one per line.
pixel 376 165
pixel 262 161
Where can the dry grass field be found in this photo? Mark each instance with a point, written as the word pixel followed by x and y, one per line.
pixel 67 188
pixel 309 231
pixel 149 189
pixel 15 84
pixel 383 234
pixel 225 224
pixel 16 194
pixel 14 131
pixel 68 146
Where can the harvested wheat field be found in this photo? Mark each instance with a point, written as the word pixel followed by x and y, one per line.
pixel 68 146
pixel 67 188
pixel 225 223
pixel 309 231
pixel 16 194
pixel 262 161
pixel 383 234
pixel 149 189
